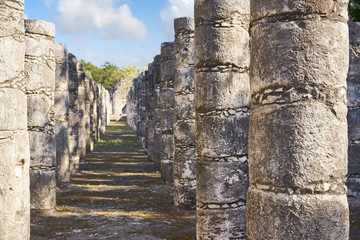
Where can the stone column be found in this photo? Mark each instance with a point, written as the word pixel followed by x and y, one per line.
pixel 298 131
pixel 108 107
pixel 167 66
pixel 103 110
pixel 353 118
pixel 88 108
pixel 142 107
pixel 151 112
pixel 184 115
pixel 40 85
pixel 222 91
pixel 157 110
pixel 14 139
pixel 82 111
pixel 92 114
pixel 62 114
pixel 99 109
pixel 74 116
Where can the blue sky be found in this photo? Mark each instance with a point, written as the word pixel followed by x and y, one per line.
pixel 123 32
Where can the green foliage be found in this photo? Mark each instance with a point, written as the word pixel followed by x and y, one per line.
pixel 354 8
pixel 108 74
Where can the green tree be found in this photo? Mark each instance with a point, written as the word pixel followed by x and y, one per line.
pixel 108 74
pixel 354 9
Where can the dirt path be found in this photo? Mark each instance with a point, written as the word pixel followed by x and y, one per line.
pixel 116 195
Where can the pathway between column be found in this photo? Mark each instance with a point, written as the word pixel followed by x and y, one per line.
pixel 116 195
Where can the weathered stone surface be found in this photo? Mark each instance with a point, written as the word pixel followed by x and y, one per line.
pixel 184 115
pixel 82 111
pixel 298 140
pixel 225 222
pixel 43 189
pixel 157 129
pixel 353 117
pixel 74 117
pixel 61 110
pixel 281 216
pixel 222 98
pixel 166 105
pixel 40 77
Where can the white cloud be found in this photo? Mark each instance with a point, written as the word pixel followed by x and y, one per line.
pixel 175 9
pixel 48 3
pixel 93 16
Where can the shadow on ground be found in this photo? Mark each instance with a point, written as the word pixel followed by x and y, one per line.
pixel 116 195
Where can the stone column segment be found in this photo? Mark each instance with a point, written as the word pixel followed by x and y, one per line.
pixel 62 114
pixel 167 66
pixel 14 139
pixel 298 131
pixel 184 115
pixel 40 75
pixel 353 104
pixel 157 110
pixel 222 98
pixel 150 106
pixel 83 116
pixel 74 115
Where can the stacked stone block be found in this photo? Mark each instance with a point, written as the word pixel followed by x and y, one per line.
pixel 62 114
pixel 40 86
pixel 353 117
pixel 14 139
pixel 157 111
pixel 167 112
pixel 222 117
pixel 83 115
pixel 150 109
pixel 74 115
pixel 298 131
pixel 184 115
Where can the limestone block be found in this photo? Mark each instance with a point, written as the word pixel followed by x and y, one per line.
pixel 184 107
pixel 14 117
pixel 184 133
pixel 61 106
pixel 62 152
pixel 320 140
pixel 214 10
pixel 14 182
pixel 354 157
pixel 297 216
pixel 62 67
pixel 167 171
pixel 167 121
pixel 43 189
pixel 333 9
pixel 219 136
pixel 42 148
pixel 321 73
pixel 40 110
pixel 221 182
pixel 221 91
pixel 222 223
pixel 353 119
pixel 228 46
pixel 184 193
pixel 184 166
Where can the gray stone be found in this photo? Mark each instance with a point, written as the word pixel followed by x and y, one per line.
pixel 40 68
pixel 298 140
pixel 166 106
pixel 61 109
pixel 74 117
pixel 222 98
pixel 184 115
